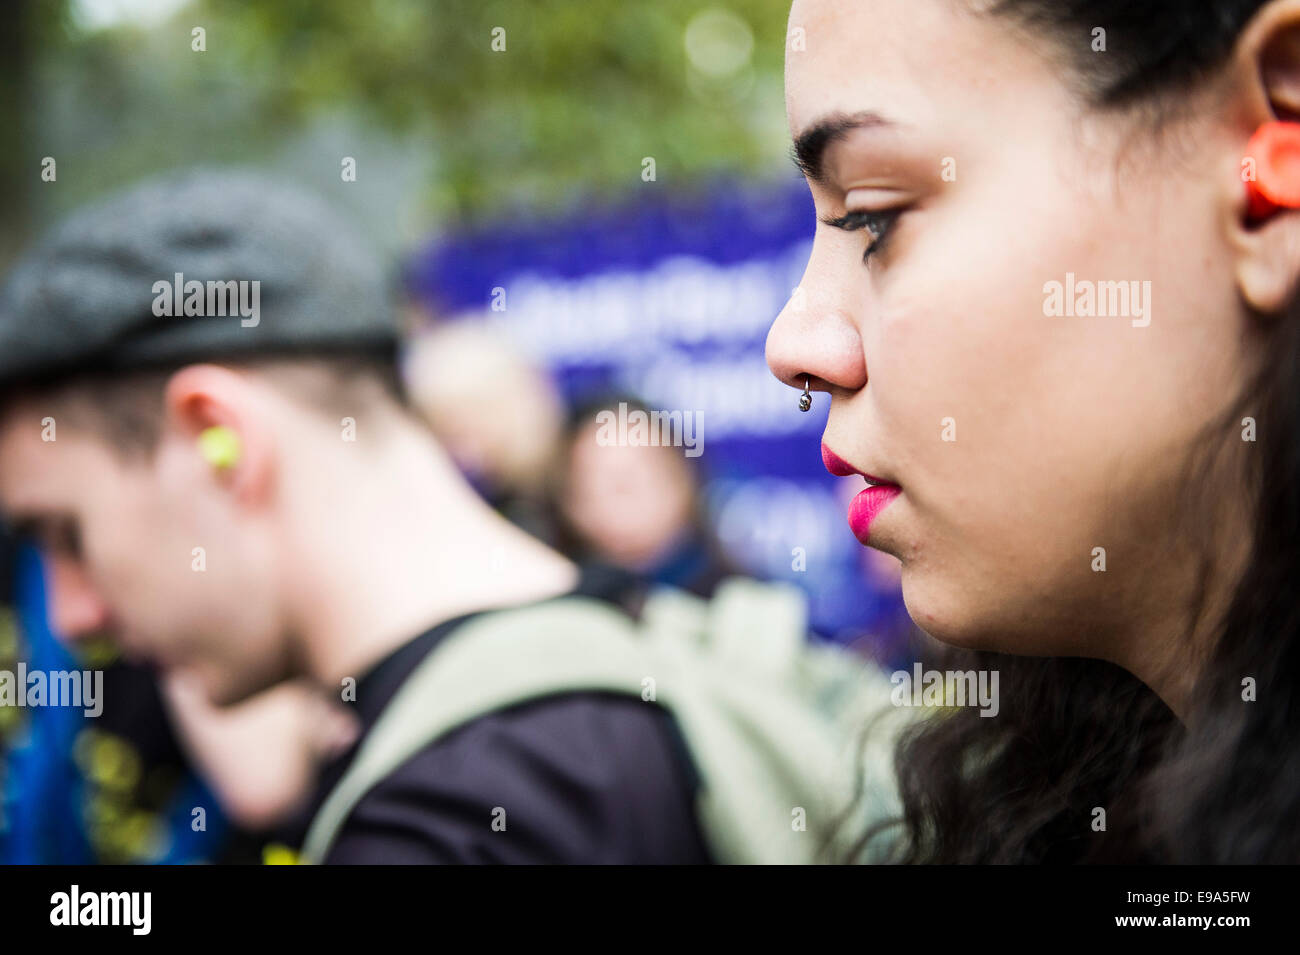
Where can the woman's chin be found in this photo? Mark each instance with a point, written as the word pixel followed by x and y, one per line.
pixel 936 607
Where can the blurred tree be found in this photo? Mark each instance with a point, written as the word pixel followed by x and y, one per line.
pixel 524 102
pixel 18 175
pixel 531 98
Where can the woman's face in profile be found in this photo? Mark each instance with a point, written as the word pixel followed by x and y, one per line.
pixel 1025 428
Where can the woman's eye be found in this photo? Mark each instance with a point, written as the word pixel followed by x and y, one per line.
pixel 877 224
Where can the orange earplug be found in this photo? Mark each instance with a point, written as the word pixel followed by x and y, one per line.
pixel 1275 147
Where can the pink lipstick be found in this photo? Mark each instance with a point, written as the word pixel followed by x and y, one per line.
pixel 868 503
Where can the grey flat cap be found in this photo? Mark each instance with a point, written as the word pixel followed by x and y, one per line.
pixel 207 265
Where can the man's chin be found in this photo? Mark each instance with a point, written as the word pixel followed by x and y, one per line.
pixel 214 689
pixel 223 692
pixel 223 695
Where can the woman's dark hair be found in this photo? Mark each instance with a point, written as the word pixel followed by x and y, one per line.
pixel 1075 735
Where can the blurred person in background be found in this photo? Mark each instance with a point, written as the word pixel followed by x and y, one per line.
pixel 241 497
pixel 260 757
pixel 496 413
pixel 635 509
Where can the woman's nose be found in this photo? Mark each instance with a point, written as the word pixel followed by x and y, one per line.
pixel 816 342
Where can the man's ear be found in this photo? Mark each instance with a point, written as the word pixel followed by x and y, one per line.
pixel 1266 79
pixel 215 411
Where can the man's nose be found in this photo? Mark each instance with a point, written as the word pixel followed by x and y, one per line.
pixel 75 607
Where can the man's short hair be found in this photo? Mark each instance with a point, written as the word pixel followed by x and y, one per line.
pixel 127 409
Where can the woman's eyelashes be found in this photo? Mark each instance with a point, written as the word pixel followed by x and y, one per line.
pixel 877 224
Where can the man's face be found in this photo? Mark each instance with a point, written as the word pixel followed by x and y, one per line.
pixel 147 549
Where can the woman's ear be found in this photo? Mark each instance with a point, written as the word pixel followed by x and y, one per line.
pixel 1266 77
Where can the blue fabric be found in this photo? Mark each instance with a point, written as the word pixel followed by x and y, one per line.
pixel 43 790
pixel 42 786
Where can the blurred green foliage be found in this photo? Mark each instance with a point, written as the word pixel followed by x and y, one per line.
pixel 583 91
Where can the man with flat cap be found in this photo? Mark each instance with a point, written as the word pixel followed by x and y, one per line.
pixel 201 426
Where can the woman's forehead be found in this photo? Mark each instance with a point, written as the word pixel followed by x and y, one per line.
pixel 916 60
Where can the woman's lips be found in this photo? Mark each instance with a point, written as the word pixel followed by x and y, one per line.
pixel 869 502
pixel 841 468
pixel 867 505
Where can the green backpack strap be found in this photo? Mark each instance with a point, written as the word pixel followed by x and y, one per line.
pixel 774 770
pixel 491 662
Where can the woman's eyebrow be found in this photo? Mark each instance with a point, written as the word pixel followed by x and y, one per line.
pixel 810 145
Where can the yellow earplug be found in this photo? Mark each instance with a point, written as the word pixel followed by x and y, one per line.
pixel 279 854
pixel 219 446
